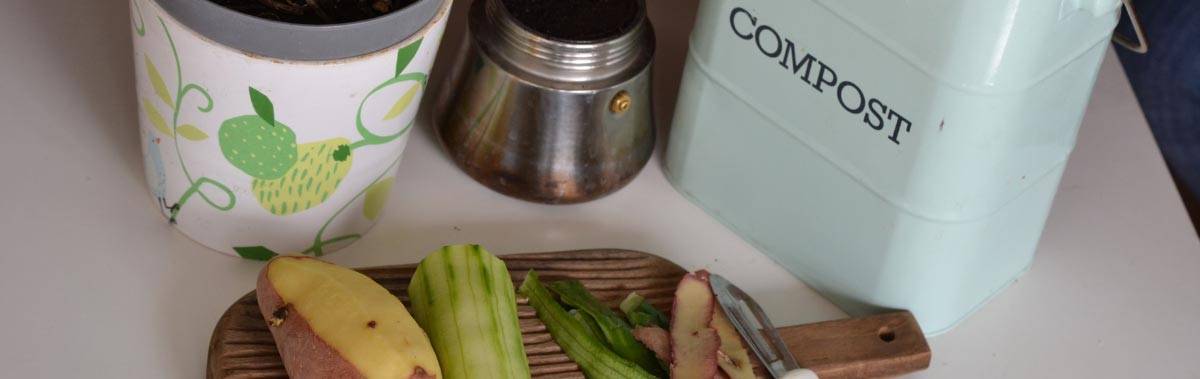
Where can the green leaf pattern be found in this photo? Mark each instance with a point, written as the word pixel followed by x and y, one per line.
pixel 160 86
pixel 139 25
pixel 262 106
pixel 406 55
pixel 403 103
pixel 377 195
pixel 255 253
pixel 156 118
pixel 192 133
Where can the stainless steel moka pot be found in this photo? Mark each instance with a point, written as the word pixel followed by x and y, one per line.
pixel 551 113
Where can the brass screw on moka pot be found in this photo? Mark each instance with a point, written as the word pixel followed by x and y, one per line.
pixel 551 100
pixel 620 103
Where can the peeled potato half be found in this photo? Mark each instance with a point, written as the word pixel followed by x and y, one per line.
pixel 333 322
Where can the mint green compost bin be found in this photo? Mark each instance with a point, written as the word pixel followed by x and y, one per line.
pixel 892 154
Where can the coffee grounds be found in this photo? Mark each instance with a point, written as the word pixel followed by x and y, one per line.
pixel 315 12
pixel 576 20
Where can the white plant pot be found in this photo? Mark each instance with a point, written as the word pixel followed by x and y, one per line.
pixel 285 138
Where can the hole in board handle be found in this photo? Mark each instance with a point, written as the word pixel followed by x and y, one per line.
pixel 886 334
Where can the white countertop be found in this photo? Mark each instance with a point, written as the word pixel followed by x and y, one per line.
pixel 94 282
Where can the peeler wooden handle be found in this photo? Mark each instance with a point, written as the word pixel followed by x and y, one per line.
pixel 882 345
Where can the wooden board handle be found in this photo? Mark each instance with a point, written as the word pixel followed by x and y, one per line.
pixel 882 345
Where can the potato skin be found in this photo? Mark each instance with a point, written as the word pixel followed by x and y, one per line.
pixel 304 354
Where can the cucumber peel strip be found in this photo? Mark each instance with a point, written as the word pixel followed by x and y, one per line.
pixel 615 330
pixel 596 360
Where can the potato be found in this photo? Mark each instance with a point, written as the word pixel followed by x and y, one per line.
pixel 333 322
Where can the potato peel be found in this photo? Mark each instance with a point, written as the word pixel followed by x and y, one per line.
pixel 694 343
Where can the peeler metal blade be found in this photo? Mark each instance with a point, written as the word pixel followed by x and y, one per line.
pixel 752 323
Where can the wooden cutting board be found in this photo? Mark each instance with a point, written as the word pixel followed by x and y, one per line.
pixel 882 345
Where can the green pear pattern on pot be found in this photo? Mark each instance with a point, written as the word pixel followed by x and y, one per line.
pixel 288 178
pixel 258 144
pixel 260 150
pixel 311 181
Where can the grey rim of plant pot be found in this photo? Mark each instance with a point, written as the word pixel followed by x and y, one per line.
pixel 287 41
